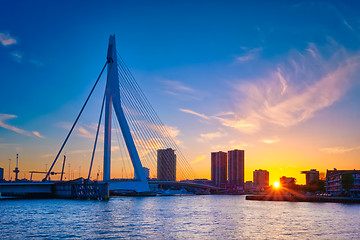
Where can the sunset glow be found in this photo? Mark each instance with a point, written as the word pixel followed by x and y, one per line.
pixel 282 87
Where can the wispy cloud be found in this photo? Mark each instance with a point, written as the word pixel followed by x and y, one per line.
pixel 164 131
pixel 209 136
pixel 239 124
pixel 177 86
pixel 195 113
pixel 5 117
pixel 172 131
pixel 82 132
pixel 339 150
pixel 293 93
pixel 199 159
pixel 270 140
pixel 180 90
pixel 6 39
pixel 231 145
pixel 17 56
pixel 249 54
pixel 38 134
pixel 227 119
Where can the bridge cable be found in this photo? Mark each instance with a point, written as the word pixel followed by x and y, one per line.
pixel 151 120
pixel 97 134
pixel 73 126
pixel 154 118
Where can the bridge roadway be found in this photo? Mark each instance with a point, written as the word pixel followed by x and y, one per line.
pixel 185 184
pixel 48 187
pixel 26 187
pixel 127 184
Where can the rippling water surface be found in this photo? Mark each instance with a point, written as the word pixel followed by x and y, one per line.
pixel 186 217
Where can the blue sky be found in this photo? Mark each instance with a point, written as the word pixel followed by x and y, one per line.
pixel 278 80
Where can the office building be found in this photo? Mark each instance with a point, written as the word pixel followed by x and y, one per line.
pixel 166 165
pixel 312 177
pixel 261 179
pixel 219 168
pixel 287 181
pixel 1 174
pixel 334 182
pixel 147 172
pixel 236 168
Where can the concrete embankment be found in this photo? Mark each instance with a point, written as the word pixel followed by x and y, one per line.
pixel 302 198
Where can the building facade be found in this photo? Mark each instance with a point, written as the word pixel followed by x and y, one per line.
pixel 248 186
pixel 219 168
pixel 333 183
pixel 287 181
pixel 166 165
pixel 312 176
pixel 236 168
pixel 261 179
pixel 147 172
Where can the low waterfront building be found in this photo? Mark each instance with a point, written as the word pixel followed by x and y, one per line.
pixel 334 182
pixel 287 181
pixel 248 185
pixel 198 181
pixel 147 172
pixel 312 177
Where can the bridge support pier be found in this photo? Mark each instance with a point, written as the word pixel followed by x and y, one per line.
pixel 112 98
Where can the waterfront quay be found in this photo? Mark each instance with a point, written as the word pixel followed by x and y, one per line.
pixel 301 198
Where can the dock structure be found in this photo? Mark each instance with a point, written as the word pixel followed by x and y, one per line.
pixel 82 189
pixel 76 189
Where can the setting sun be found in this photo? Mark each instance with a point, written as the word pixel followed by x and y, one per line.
pixel 276 184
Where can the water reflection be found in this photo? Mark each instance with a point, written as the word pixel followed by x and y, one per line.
pixel 187 217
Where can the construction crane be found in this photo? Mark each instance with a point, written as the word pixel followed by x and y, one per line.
pixel 51 173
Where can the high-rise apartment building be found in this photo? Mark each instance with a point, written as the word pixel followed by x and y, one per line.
pixel 236 168
pixel 166 165
pixel 261 178
pixel 219 168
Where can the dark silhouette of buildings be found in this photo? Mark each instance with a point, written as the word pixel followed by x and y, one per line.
pixel 236 168
pixel 1 174
pixel 287 181
pixel 261 179
pixel 248 185
pixel 219 168
pixel 334 182
pixel 166 165
pixel 312 177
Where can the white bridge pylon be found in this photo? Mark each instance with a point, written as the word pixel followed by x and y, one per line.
pixel 113 99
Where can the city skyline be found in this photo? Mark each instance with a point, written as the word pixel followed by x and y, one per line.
pixel 220 76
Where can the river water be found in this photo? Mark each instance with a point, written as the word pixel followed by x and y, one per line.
pixel 185 217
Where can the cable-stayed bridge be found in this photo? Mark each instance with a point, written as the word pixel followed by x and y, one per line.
pixel 143 140
pixel 138 128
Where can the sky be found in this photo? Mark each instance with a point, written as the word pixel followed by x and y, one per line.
pixel 278 80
